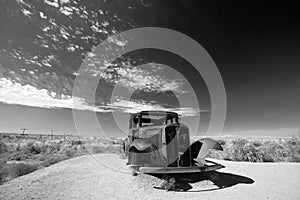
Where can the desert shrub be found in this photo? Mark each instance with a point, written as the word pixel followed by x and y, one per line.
pixel 265 154
pixel 45 148
pixel 294 158
pixel 23 168
pixel 97 149
pixel 47 151
pixel 114 149
pixel 69 151
pixel 10 171
pixel 117 141
pixel 293 145
pixel 222 142
pixel 52 160
pixel 294 141
pixel 257 143
pixel 33 148
pixel 3 174
pixel 240 143
pixel 50 148
pixel 259 149
pixel 3 147
pixel 3 171
pixel 216 154
pixel 55 147
pixel 19 155
pixel 18 147
pixel 236 150
pixel 76 142
pixel 102 148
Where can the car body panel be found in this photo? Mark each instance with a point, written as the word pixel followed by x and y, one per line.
pixel 159 143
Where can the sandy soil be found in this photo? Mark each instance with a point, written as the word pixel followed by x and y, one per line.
pixel 87 177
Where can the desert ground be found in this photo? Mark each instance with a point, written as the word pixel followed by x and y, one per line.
pixel 105 176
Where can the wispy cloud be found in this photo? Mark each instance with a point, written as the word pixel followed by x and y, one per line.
pixel 140 79
pixel 147 78
pixel 270 115
pixel 189 111
pixel 42 74
pixel 137 106
pixel 15 93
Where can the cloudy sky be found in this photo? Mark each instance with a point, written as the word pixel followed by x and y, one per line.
pixel 43 44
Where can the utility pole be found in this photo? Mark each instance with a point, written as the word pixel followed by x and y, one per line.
pixel 24 129
pixel 52 134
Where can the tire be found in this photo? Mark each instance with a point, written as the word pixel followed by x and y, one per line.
pixel 126 147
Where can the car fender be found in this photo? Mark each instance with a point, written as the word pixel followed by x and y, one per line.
pixel 141 144
pixel 205 145
pixel 143 152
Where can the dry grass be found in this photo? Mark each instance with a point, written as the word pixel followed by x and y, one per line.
pixel 12 170
pixel 23 155
pixel 264 149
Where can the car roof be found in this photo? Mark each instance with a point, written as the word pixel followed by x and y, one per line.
pixel 157 112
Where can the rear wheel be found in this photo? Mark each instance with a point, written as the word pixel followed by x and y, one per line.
pixel 126 147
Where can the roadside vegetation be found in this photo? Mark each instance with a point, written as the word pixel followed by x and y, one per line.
pixel 259 149
pixel 20 155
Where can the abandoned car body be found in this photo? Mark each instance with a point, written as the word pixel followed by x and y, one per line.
pixel 159 144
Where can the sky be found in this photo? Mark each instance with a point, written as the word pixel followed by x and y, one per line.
pixel 256 47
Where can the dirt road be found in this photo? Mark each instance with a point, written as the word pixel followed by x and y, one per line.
pixel 87 177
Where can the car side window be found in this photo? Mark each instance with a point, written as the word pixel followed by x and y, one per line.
pixel 135 122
